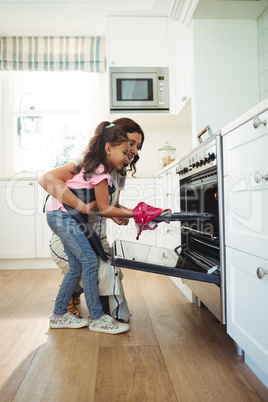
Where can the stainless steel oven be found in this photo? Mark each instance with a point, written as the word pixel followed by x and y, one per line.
pixel 199 257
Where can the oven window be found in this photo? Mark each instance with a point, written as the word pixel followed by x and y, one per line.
pixel 134 89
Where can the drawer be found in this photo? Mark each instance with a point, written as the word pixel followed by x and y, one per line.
pixel 246 214
pixel 246 147
pixel 247 297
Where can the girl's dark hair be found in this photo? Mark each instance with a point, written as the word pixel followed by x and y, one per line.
pixel 130 126
pixel 95 152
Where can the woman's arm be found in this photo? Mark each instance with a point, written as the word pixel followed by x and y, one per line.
pixel 54 183
pixel 102 199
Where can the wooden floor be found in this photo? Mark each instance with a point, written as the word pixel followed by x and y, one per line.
pixel 174 350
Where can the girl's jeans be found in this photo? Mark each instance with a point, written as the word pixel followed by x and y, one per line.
pixel 82 262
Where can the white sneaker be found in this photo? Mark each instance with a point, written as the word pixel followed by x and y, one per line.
pixel 68 320
pixel 108 325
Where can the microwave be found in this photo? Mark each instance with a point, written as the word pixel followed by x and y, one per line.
pixel 139 89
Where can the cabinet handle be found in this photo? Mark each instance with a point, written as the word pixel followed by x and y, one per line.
pixel 31 183
pixel 257 122
pixel 261 272
pixel 258 177
pixel 167 194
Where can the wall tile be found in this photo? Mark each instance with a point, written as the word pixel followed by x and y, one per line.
pixel 263 54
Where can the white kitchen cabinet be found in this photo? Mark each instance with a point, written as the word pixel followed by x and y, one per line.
pixel 25 233
pixel 247 297
pixel 245 169
pixel 167 196
pixel 136 190
pixel 17 204
pixel 138 41
pixel 246 187
pixel 180 67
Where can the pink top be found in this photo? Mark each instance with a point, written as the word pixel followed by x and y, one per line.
pixel 78 181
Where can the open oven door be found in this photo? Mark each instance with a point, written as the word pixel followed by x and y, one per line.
pixel 159 260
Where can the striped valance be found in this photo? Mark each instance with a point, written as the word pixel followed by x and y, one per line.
pixel 52 53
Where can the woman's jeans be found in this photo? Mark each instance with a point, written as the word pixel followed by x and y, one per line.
pixel 82 262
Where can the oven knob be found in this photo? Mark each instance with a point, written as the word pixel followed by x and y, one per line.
pixel 211 157
pixel 192 165
pixel 205 161
pixel 185 170
pixel 197 164
pixel 200 162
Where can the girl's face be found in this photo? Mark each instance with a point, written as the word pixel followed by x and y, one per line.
pixel 117 156
pixel 135 145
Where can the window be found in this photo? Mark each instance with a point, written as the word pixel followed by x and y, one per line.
pixel 52 117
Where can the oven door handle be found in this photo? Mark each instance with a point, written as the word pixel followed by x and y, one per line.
pixel 178 247
pixel 183 216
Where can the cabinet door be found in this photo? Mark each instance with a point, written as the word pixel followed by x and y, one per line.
pixel 17 205
pixel 246 147
pixel 181 65
pixel 247 296
pixel 138 41
pixel 246 213
pixel 246 188
pixel 167 196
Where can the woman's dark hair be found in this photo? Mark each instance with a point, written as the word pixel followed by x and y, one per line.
pixel 130 126
pixel 95 152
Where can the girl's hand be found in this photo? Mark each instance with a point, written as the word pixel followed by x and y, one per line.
pixel 120 221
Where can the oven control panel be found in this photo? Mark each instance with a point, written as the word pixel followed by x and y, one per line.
pixel 201 158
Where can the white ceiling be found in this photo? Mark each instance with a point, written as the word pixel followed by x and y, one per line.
pixel 88 17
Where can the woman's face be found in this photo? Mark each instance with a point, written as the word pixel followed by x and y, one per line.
pixel 135 140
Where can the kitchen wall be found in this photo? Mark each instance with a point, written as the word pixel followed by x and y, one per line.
pixel 263 54
pixel 225 79
pixel 155 138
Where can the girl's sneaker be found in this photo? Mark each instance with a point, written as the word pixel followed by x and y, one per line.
pixel 67 320
pixel 107 325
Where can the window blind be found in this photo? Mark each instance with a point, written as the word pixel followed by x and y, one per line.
pixel 53 53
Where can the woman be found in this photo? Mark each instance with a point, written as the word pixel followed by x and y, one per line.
pixel 110 284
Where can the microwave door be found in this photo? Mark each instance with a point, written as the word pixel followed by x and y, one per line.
pixel 157 260
pixel 134 90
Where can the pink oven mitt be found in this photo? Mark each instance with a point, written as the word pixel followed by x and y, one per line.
pixel 143 215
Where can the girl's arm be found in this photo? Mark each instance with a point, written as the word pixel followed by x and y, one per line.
pixel 119 221
pixel 102 199
pixel 54 183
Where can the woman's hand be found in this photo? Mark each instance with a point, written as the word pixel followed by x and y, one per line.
pixel 120 221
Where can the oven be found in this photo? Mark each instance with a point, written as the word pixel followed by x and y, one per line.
pixel 199 256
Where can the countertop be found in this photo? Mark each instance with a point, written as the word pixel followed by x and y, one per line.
pixel 250 114
pixel 24 175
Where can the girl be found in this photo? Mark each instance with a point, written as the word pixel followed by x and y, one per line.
pixel 110 279
pixel 107 151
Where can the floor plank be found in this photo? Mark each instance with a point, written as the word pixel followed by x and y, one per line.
pixel 133 373
pixel 174 350
pixel 198 364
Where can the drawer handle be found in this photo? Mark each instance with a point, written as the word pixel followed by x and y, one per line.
pixel 261 272
pixel 257 122
pixel 258 177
